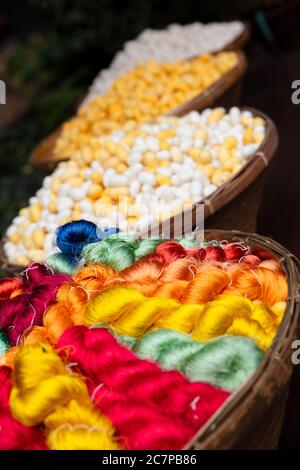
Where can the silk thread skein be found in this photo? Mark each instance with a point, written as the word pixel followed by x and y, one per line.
pixel 103 360
pixel 72 298
pixel 169 251
pixel 26 309
pixel 191 281
pixel 13 435
pixel 226 362
pixel 72 237
pixel 60 263
pixel 140 424
pixel 120 250
pixel 132 314
pixel 46 392
pixel 8 286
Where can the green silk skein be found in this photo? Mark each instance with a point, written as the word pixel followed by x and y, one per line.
pixel 60 263
pixel 227 361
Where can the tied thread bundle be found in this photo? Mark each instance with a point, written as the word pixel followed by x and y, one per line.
pixel 46 393
pixel 122 250
pixel 83 242
pixel 191 281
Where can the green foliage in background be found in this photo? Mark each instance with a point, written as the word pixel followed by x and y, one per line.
pixel 66 44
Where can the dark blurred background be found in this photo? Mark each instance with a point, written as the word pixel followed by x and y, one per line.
pixel 50 51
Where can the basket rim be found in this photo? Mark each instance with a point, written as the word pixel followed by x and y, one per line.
pixel 240 41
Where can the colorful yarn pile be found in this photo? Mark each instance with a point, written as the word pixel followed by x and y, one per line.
pixel 139 346
pixel 142 383
pixel 82 242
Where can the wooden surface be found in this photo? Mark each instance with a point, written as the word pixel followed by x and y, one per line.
pixel 41 157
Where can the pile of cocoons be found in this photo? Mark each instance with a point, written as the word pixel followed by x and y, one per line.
pixel 176 42
pixel 137 177
pixel 141 95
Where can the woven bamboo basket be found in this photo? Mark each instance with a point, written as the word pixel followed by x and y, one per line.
pixel 232 206
pixel 43 159
pixel 252 417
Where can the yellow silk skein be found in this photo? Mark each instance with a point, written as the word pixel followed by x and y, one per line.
pixel 46 392
pixel 131 313
pixel 231 314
